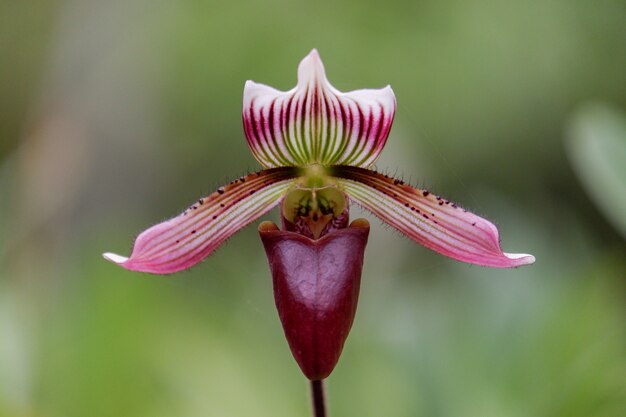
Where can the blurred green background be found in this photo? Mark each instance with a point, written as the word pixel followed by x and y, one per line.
pixel 116 115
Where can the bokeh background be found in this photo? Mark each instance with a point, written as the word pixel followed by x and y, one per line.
pixel 116 115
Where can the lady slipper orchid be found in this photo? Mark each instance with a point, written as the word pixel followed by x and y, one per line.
pixel 316 145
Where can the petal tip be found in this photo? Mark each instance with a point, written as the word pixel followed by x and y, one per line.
pixel 310 67
pixel 253 89
pixel 314 53
pixel 115 258
pixel 388 90
pixel 520 258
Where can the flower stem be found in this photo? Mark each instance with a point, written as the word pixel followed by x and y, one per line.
pixel 317 397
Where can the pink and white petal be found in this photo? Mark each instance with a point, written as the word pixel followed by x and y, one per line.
pixel 315 122
pixel 363 121
pixel 266 125
pixel 185 240
pixel 428 219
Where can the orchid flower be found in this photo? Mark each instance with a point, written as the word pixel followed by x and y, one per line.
pixel 317 146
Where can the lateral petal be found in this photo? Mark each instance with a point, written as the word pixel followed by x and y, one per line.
pixel 316 123
pixel 430 220
pixel 185 240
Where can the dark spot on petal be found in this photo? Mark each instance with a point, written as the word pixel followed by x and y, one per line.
pixel 441 203
pixel 193 231
pixel 425 193
pixel 214 217
pixel 220 190
pixel 201 201
pixel 425 216
pixel 178 241
pixel 406 204
pixel 455 206
pixel 474 224
pixel 242 179
pixel 252 192
pixel 221 204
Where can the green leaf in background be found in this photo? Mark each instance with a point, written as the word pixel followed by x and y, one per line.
pixel 596 146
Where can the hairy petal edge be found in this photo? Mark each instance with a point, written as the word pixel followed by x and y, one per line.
pixel 430 220
pixel 185 240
